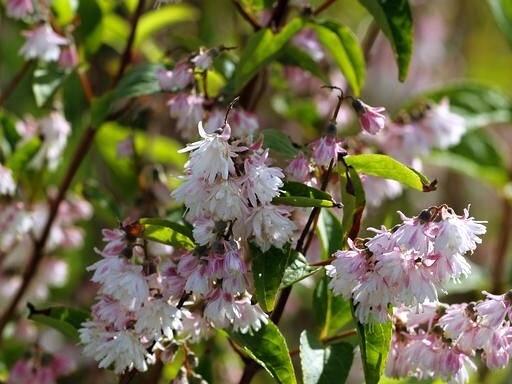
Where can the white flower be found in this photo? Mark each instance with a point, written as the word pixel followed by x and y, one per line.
pixel 15 222
pixel 220 309
pixel 177 79
pixel 195 327
pixel 270 225
pixel 124 351
pixel 203 60
pixel 212 156
pixel 197 282
pixel 128 286
pixel 250 316
pixel 204 230
pixel 346 270
pixel 7 183
pixel 225 201
pixel 444 127
pixel 261 183
pixel 42 43
pixel 106 268
pixel 194 193
pixel 188 110
pixel 156 318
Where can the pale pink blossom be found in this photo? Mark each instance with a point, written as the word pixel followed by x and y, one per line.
pixel 326 149
pixel 68 58
pixel 243 123
pixel 299 168
pixel 372 119
pixel 7 183
pixel 261 183
pixel 19 9
pixel 203 60
pixel 270 225
pixel 42 43
pixel 177 79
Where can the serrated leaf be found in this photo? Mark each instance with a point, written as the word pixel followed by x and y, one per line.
pixel 324 364
pixel 64 319
pixel 279 143
pixel 395 20
pixel 345 50
pixel 374 343
pixel 261 48
pixel 166 232
pixel 480 105
pixel 22 156
pixel 268 348
pixel 388 168
pixel 268 269
pixel 502 11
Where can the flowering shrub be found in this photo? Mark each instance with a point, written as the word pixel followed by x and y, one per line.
pixel 178 178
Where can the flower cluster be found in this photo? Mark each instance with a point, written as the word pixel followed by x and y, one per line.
pixel 406 265
pixel 46 371
pixel 440 341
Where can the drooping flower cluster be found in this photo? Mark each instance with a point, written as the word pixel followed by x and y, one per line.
pixel 406 265
pixel 45 370
pixel 441 341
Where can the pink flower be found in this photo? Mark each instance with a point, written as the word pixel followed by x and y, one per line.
pixel 347 270
pixel 326 149
pixel 177 79
pixel 261 182
pixel 243 123
pixel 188 110
pixel 68 58
pixel 42 43
pixel 298 169
pixel 494 309
pixel 203 60
pixel 371 119
pixel 19 9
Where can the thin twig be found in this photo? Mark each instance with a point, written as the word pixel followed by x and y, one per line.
pixel 9 89
pixel 502 247
pixel 126 58
pixel 246 16
pixel 322 7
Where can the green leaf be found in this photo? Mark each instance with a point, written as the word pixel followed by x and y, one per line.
pixel 502 11
pixel 354 201
pixel 279 143
pixel 47 79
pixel 166 232
pixel 298 269
pixel 64 319
pixel 332 313
pixel 389 168
pixel 330 233
pixel 163 17
pixel 324 364
pixel 261 48
pixel 291 55
pixel 346 51
pixel 395 20
pixel 268 269
pixel 475 156
pixel 294 188
pixel 22 156
pixel 91 27
pixel 139 81
pixel 374 342
pixel 299 201
pixel 268 348
pixel 480 105
pixel 8 131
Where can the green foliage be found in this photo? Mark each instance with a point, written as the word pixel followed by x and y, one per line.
pixel 374 343
pixel 268 348
pixel 167 232
pixel 324 364
pixel 291 55
pixel 299 201
pixel 354 201
pixel 22 156
pixel 502 11
pixel 341 42
pixel 261 48
pixel 139 81
pixel 329 231
pixel 395 20
pixel 47 79
pixel 389 168
pixel 297 269
pixel 279 143
pixel 64 319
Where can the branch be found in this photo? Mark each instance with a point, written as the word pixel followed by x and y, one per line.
pixel 502 247
pixel 127 54
pixel 279 14
pixel 9 89
pixel 322 7
pixel 246 16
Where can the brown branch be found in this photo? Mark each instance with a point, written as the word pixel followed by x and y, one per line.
pixel 279 14
pixel 246 16
pixel 322 7
pixel 9 89
pixel 126 58
pixel 502 247
pixel 369 40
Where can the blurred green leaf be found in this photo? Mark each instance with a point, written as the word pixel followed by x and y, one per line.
pixel 395 20
pixel 48 77
pixel 374 343
pixel 330 231
pixel 165 232
pixel 502 11
pixel 139 81
pixel 480 105
pixel 261 48
pixel 388 168
pixel 64 10
pixel 291 55
pixel 279 143
pixel 114 31
pixel 162 17
pixel 354 201
pixel 9 132
pixel 475 156
pixel 323 364
pixel 346 51
pixel 268 270
pixel 332 313
pixel 300 201
pixel 268 348
pixel 91 27
pixel 64 319
pixel 294 188
pixel 298 269
pixel 180 228
pixel 22 156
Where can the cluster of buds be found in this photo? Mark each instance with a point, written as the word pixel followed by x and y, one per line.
pixel 441 341
pixel 407 264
